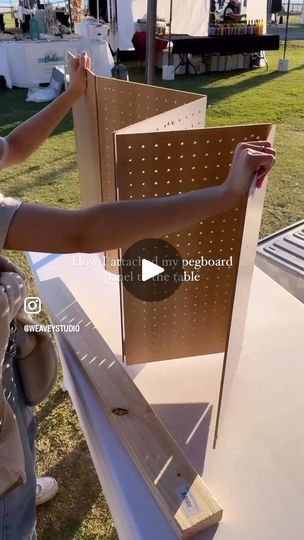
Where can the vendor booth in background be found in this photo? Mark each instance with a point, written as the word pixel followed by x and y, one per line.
pixel 123 15
pixel 50 18
pixel 29 54
pixel 200 38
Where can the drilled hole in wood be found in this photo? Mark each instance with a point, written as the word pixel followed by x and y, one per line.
pixel 120 412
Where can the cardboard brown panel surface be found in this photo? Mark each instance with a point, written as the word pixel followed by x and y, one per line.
pixel 87 144
pixel 196 319
pixel 122 103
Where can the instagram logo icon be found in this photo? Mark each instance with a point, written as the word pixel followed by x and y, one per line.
pixel 32 305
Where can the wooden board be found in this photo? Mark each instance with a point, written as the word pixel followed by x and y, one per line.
pixel 178 489
pixel 195 320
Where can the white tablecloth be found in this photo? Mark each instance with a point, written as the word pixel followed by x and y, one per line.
pixel 29 63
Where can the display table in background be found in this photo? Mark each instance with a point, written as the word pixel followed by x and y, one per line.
pixel 218 48
pixel 29 63
pixel 257 469
pixel 223 44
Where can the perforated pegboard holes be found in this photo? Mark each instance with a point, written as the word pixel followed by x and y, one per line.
pixel 126 104
pixel 120 104
pixel 195 320
pixel 182 161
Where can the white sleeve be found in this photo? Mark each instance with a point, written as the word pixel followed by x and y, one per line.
pixel 8 207
pixel 4 150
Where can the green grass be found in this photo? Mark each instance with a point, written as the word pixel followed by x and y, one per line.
pixel 263 96
pixel 50 176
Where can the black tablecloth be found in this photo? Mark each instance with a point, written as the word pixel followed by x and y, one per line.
pixel 2 27
pixel 223 44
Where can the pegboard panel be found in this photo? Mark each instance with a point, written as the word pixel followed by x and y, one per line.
pixel 196 319
pixel 188 116
pixel 110 105
pixel 121 104
pixel 242 289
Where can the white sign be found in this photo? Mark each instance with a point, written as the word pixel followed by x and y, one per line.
pixel 41 58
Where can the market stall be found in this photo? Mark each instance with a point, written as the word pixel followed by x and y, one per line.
pixel 28 54
pixel 242 36
pixel 28 63
pixel 219 53
pixel 123 15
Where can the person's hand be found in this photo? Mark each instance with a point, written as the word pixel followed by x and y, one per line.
pixel 78 66
pixel 251 161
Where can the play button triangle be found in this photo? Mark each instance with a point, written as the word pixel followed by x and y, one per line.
pixel 149 270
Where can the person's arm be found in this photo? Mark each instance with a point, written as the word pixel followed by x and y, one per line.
pixel 234 17
pixel 29 135
pixel 118 224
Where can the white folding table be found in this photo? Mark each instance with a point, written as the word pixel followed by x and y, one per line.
pixel 257 469
pixel 28 63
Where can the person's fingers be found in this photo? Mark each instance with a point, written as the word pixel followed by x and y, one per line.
pixel 260 179
pixel 260 163
pixel 262 146
pixel 261 175
pixel 259 159
pixel 73 63
pixel 254 144
pixel 261 149
pixel 82 61
pixel 267 144
pixel 88 63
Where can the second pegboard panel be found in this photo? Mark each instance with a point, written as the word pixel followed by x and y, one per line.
pixel 195 320
pixel 121 104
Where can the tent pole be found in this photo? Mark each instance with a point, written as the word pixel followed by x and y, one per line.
pixel 170 30
pixel 286 29
pixel 70 15
pixel 150 42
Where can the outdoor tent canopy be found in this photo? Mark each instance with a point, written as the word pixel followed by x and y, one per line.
pixel 190 17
